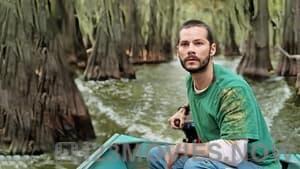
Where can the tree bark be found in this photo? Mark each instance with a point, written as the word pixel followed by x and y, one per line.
pixel 298 84
pixel 40 103
pixel 167 29
pixel 290 66
pixel 75 49
pixel 256 61
pixel 134 36
pixel 109 58
pixel 153 45
pixel 230 47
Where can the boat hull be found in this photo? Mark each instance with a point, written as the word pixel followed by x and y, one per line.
pixel 128 152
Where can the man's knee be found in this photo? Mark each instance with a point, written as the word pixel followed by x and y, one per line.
pixel 156 153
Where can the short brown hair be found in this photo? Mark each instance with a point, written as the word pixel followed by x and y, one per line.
pixel 199 23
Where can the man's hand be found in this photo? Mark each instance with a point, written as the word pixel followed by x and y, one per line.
pixel 173 154
pixel 171 157
pixel 178 119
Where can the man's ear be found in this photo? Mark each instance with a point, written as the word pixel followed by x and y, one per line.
pixel 213 49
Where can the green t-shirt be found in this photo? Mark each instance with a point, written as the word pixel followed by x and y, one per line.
pixel 228 110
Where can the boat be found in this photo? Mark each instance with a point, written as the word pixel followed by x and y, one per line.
pixel 121 152
pixel 129 152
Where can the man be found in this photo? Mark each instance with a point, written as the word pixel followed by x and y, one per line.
pixel 227 117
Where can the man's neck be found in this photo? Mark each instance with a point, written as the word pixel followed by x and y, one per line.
pixel 204 79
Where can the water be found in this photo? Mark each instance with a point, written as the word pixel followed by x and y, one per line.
pixel 141 107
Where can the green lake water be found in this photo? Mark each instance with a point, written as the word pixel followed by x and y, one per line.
pixel 141 107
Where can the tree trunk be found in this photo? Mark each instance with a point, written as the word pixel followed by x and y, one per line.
pixel 256 61
pixel 40 103
pixel 75 49
pixel 298 84
pixel 153 45
pixel 109 58
pixel 290 66
pixel 158 46
pixel 134 37
pixel 230 47
pixel 167 29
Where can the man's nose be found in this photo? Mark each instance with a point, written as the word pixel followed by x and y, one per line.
pixel 191 52
pixel 191 49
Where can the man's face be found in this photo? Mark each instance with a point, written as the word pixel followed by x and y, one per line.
pixel 194 49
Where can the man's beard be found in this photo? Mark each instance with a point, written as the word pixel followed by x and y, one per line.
pixel 201 68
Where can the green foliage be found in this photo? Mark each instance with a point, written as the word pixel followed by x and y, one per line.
pixel 239 19
pixel 255 8
pixel 276 11
pixel 219 14
pixel 88 13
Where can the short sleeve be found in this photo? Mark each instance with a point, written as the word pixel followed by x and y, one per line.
pixel 238 114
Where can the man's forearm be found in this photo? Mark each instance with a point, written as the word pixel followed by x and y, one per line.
pixel 227 151
pixel 193 149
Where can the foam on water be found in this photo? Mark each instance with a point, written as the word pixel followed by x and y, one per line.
pixel 284 93
pixel 148 133
pixel 133 124
pixel 93 101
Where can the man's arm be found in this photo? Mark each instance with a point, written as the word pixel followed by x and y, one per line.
pixel 231 152
pixel 228 151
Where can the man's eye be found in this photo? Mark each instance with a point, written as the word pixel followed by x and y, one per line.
pixel 198 43
pixel 184 44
